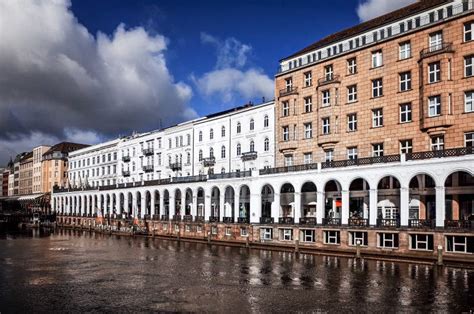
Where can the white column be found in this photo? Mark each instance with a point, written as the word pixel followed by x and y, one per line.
pixel 345 207
pixel 319 207
pixel 162 204
pixel 440 206
pixel 255 207
pixel 373 207
pixel 236 206
pixel 194 204
pixel 221 205
pixel 152 204
pixel 404 200
pixel 172 207
pixel 135 205
pixel 125 203
pixel 143 205
pixel 297 207
pixel 183 203
pixel 276 207
pixel 207 206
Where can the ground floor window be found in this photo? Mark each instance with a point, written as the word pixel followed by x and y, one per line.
pixel 199 229
pixel 307 235
pixel 286 234
pixel 388 240
pixel 228 231
pixel 358 237
pixel 460 244
pixel 243 232
pixel 187 228
pixel 176 227
pixel 421 242
pixel 266 233
pixel 165 226
pixel 214 230
pixel 332 237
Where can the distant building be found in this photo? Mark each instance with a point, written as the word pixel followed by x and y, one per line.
pixel 37 168
pixel 26 174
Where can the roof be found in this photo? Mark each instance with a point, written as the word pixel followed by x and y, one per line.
pixel 26 156
pixel 65 147
pixel 415 8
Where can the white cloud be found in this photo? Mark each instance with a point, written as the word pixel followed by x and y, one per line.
pixel 57 78
pixel 232 77
pixel 369 9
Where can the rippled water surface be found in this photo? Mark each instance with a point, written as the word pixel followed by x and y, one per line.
pixel 74 271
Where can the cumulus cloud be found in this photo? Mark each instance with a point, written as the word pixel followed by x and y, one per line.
pixel 59 81
pixel 232 78
pixel 369 9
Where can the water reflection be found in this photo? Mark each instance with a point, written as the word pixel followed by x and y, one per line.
pixel 84 271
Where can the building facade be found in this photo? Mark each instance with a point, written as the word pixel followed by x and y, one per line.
pixel 26 174
pixel 38 168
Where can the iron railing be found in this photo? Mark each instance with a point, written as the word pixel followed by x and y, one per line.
pixel 328 79
pixel 187 218
pixel 459 224
pixel 176 166
pixel 227 220
pixel 209 162
pixel 125 158
pixel 451 152
pixel 147 151
pixel 176 217
pixel 249 156
pixel 436 49
pixel 308 221
pixel 358 222
pixel 288 169
pixel 213 219
pixel 243 220
pixel 199 219
pixel 266 220
pixel 388 223
pixel 230 175
pixel 148 168
pixel 360 161
pixel 288 91
pixel 331 221
pixel 198 178
pixel 286 220
pixel 422 223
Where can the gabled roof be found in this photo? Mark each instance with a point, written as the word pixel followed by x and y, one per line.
pixel 415 8
pixel 65 147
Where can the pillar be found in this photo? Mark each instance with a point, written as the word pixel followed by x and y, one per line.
pixel 194 204
pixel 134 205
pixel 207 206
pixel 276 207
pixel 404 205
pixel 297 207
pixel 373 196
pixel 162 204
pixel 143 205
pixel 152 204
pixel 172 207
pixel 255 207
pixel 319 207
pixel 236 205
pixel 183 203
pixel 125 203
pixel 345 207
pixel 221 205
pixel 440 206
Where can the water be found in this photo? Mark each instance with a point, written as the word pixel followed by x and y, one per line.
pixel 72 271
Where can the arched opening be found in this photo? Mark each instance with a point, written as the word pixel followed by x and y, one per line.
pixel 287 203
pixel 215 204
pixel 156 210
pixel 244 204
pixel 308 203
pixel 332 203
pixel 166 204
pixel 121 203
pixel 147 204
pixel 188 203
pixel 177 203
pixel 359 201
pixel 268 197
pixel 79 205
pixel 388 202
pixel 459 200
pixel 130 204
pixel 229 199
pixel 114 204
pixel 138 210
pixel 422 201
pixel 200 203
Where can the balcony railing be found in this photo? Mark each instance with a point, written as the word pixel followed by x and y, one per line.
pixel 148 168
pixel 176 166
pixel 459 224
pixel 156 217
pixel 288 169
pixel 126 173
pixel 147 151
pixel 209 162
pixel 176 217
pixel 286 220
pixel 421 223
pixel 266 220
pixel 328 79
pixel 213 219
pixel 249 156
pixel 388 223
pixel 198 178
pixel 331 221
pixel 165 217
pixel 436 49
pixel 243 220
pixel 230 175
pixel 360 161
pixel 228 220
pixel 308 221
pixel 125 158
pixel 199 219
pixel 288 91
pixel 451 152
pixel 358 222
pixel 187 218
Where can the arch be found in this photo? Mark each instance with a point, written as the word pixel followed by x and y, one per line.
pixel 130 204
pixel 166 202
pixel 359 201
pixel 388 200
pixel 229 202
pixel 422 195
pixel 268 197
pixel 147 204
pixel 287 200
pixel 244 202
pixel 332 202
pixel 156 210
pixel 188 201
pixel 215 203
pixel 138 209
pixel 309 195
pixel 121 203
pixel 201 206
pixel 459 195
pixel 177 202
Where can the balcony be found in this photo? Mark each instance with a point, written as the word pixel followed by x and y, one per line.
pixel 187 218
pixel 358 222
pixel 209 162
pixel 148 168
pixel 436 49
pixel 228 220
pixel 126 173
pixel 459 224
pixel 437 122
pixel 388 223
pixel 309 221
pixel 288 91
pixel 331 221
pixel 213 219
pixel 422 223
pixel 188 179
pixel 249 156
pixel 243 220
pixel 126 158
pixel 329 140
pixel 176 166
pixel 452 152
pixel 286 220
pixel 265 220
pixel 328 79
pixel 230 175
pixel 147 151
pixel 176 217
pixel 199 219
pixel 360 161
pixel 165 217
pixel 155 217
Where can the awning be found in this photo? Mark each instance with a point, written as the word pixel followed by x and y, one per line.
pixel 30 197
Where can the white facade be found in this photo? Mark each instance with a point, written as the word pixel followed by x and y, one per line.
pixel 178 150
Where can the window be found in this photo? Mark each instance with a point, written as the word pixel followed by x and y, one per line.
pixel 265 121
pixel 469 66
pixel 404 50
pixel 469 101
pixel 377 150
pixel 469 139
pixel 211 134
pixel 308 79
pixel 286 133
pixel 405 81
pixel 286 108
pixel 352 153
pixel 288 160
pixel 252 146
pixel 326 97
pixel 434 72
pixel 228 231
pixel 328 72
pixel 188 137
pixel 308 130
pixel 266 233
pixel 377 88
pixel 434 106
pixel 437 142
pixel 468 29
pixel 223 131
pixel 308 104
pixel 308 158
pixel 200 137
pixel 188 159
pixel 286 234
pixel 352 122
pixel 460 244
pixel 326 126
pixel 358 237
pixel 352 93
pixel 422 242
pixel 239 128
pixel 436 41
pixel 388 240
pixel 331 237
pixel 307 235
pixel 199 229
pixel 405 113
pixel 266 144
pixel 352 66
pixel 377 118
pixel 329 155
pixel 243 232
pixel 214 230
pixel 211 152
pixel 239 149
pixel 187 228
pixel 251 125
pixel 223 152
pixel 377 59
pixel 289 84
pixel 200 155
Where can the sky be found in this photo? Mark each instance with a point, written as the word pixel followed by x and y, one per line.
pixel 87 71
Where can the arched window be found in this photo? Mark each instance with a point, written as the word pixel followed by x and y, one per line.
pixel 239 150
pixel 211 134
pixel 223 131
pixel 200 154
pixel 266 144
pixel 200 136
pixel 223 152
pixel 133 166
pixel 252 124
pixel 188 158
pixel 265 121
pixel 252 146
pixel 189 139
pixel 211 152
pixel 239 128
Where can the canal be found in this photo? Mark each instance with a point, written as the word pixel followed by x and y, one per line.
pixel 72 271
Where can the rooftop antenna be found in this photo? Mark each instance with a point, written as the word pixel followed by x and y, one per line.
pixel 263 99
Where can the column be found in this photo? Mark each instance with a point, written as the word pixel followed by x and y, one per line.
pixel 125 203
pixel 134 205
pixel 404 202
pixel 440 206
pixel 207 206
pixel 162 204
pixel 236 206
pixel 183 203
pixel 194 204
pixel 373 206
pixel 255 207
pixel 297 205
pixel 152 204
pixel 276 207
pixel 172 206
pixel 345 208
pixel 319 207
pixel 221 206
pixel 143 205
